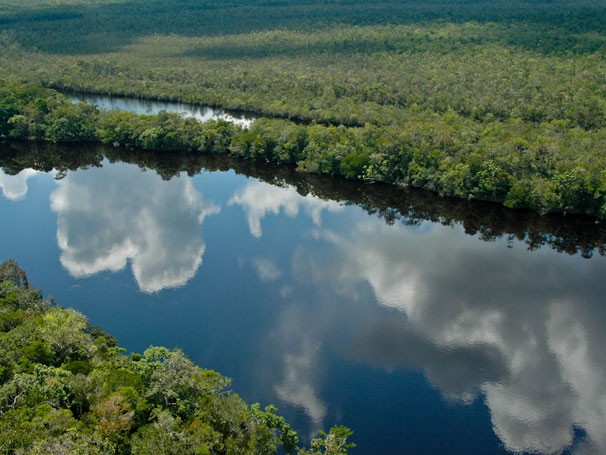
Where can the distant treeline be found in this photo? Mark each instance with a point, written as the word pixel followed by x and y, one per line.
pixel 105 26
pixel 66 387
pixel 548 167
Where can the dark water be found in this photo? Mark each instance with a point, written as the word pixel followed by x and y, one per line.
pixel 425 325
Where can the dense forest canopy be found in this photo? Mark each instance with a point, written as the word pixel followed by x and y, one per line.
pixel 494 100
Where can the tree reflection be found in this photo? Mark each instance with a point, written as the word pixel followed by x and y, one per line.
pixel 14 187
pixel 567 234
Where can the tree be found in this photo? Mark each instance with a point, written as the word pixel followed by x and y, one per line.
pixel 332 443
pixel 64 331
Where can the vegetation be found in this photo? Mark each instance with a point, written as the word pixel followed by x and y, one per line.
pixel 492 100
pixel 67 388
pixel 497 165
pixel 487 221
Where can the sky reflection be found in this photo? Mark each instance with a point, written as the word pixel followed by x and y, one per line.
pixel 524 330
pixel 259 199
pixel 108 217
pixel 293 286
pixel 14 187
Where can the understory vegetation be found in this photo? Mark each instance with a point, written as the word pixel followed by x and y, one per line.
pixel 66 387
pixel 491 100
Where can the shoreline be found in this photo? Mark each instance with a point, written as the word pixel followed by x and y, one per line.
pixel 458 166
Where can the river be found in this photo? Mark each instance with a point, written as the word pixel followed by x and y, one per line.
pixel 425 325
pixel 150 107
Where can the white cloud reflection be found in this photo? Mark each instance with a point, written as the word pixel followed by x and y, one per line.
pixel 300 364
pixel 266 270
pixel 506 326
pixel 260 199
pixel 118 214
pixel 298 386
pixel 14 187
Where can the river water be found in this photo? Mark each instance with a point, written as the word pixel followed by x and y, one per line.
pixel 425 325
pixel 150 107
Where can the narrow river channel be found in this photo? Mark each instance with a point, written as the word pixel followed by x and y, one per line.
pixel 140 106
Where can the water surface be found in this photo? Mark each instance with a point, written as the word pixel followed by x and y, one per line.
pixel 425 325
pixel 149 107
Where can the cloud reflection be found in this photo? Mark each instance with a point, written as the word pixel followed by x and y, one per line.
pixel 260 199
pixel 300 364
pixel 297 386
pixel 266 270
pixel 523 329
pixel 14 187
pixel 110 216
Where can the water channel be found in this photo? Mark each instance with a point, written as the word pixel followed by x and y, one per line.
pixel 425 325
pixel 151 107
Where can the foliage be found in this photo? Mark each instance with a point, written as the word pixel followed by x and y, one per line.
pixel 489 100
pixel 332 443
pixel 65 388
pixel 487 221
pixel 547 167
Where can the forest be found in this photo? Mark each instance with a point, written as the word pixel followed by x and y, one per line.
pixel 488 100
pixel 67 387
pixel 498 167
pixel 475 100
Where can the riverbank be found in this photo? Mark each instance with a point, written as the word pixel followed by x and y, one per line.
pixel 395 205
pixel 549 168
pixel 67 387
